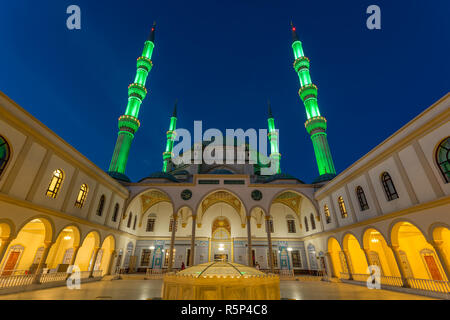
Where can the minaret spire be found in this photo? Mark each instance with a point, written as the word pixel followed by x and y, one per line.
pixel 316 125
pixel 167 155
pixel 129 123
pixel 273 139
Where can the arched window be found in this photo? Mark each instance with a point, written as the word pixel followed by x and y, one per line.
pixel 342 207
pixel 55 183
pixel 4 154
pixel 389 187
pixel 313 222
pixel 101 205
pixel 129 220
pixel 116 212
pixel 442 158
pixel 291 224
pixel 326 212
pixel 134 223
pixel 151 222
pixel 362 198
pixel 82 194
pixel 306 224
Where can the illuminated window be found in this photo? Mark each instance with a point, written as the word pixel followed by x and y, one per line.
pixel 313 222
pixel 362 198
pixel 342 207
pixel 442 158
pixel 274 258
pixel 129 220
pixel 101 205
pixel 82 194
pixel 4 154
pixel 145 257
pixel 326 211
pixel 55 183
pixel 291 226
pixel 116 212
pixel 306 224
pixel 150 224
pixel 389 187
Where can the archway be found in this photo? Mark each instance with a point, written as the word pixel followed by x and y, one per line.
pixel 27 250
pixel 356 258
pixel 61 254
pixel 418 257
pixel 104 255
pixel 337 257
pixel 86 252
pixel 379 253
pixel 221 248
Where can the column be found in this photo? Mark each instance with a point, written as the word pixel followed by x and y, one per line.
pixel 437 245
pixel 111 262
pixel 330 265
pixel 74 256
pixel 269 243
pixel 172 242
pixel 249 241
pixel 366 253
pixel 3 246
pixel 192 257
pixel 91 272
pixel 399 265
pixel 47 246
pixel 347 259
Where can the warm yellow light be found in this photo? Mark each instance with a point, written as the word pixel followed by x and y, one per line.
pixel 152 248
pixel 289 249
pixel 67 237
pixel 374 240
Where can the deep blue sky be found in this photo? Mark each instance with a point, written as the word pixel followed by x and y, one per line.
pixel 223 60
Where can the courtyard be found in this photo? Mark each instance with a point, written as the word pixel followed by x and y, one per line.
pixel 151 289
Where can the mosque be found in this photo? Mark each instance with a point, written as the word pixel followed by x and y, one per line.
pixel 389 209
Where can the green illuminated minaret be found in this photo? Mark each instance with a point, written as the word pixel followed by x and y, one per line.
pixel 316 125
pixel 273 138
pixel 167 155
pixel 129 123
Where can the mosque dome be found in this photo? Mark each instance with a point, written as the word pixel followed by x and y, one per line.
pixel 221 281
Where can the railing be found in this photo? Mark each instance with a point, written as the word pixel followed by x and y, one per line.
pixel 16 278
pixel 84 274
pixel 413 283
pixel 155 273
pixel 52 277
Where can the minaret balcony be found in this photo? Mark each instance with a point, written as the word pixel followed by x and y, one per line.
pixel 308 91
pixel 316 124
pixel 136 90
pixel 301 63
pixel 144 63
pixel 129 124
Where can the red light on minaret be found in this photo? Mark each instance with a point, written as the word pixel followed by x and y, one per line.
pixel 293 28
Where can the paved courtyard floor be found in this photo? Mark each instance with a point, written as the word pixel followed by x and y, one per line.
pixel 149 289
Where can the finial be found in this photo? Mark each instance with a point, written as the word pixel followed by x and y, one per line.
pixel 270 109
pixel 294 33
pixel 151 37
pixel 175 109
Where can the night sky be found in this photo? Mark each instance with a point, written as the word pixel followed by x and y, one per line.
pixel 223 60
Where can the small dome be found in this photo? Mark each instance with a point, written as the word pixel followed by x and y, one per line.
pixel 220 269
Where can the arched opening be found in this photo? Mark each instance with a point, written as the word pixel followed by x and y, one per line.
pixel 128 262
pixel 26 251
pixel 442 159
pixel 4 154
pixel 221 239
pixel 379 253
pixel 441 238
pixel 356 258
pixel 337 257
pixel 104 255
pixel 61 253
pixel 418 257
pixel 87 251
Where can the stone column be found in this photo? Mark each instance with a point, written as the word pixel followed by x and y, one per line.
pixel 192 257
pixel 3 246
pixel 346 258
pixel 269 243
pixel 399 265
pixel 172 242
pixel 330 265
pixel 74 256
pixel 437 245
pixel 91 271
pixel 111 262
pixel 249 241
pixel 47 246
